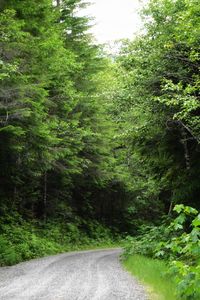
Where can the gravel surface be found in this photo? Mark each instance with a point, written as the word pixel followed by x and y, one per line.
pixel 88 275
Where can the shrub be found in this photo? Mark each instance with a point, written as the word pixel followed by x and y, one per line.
pixel 21 240
pixel 179 245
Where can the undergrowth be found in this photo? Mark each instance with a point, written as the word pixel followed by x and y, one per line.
pixel 22 240
pixel 178 245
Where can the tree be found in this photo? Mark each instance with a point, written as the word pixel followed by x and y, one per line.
pixel 160 124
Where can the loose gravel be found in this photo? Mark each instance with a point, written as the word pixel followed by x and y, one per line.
pixel 88 275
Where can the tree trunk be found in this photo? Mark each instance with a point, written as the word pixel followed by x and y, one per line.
pixel 186 150
pixel 45 197
pixel 58 2
pixel 170 208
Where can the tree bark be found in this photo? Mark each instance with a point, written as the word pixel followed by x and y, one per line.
pixel 45 197
pixel 58 2
pixel 170 208
pixel 186 150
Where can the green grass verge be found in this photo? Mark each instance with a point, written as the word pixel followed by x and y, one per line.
pixel 151 273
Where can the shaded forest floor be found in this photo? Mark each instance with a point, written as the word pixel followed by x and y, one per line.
pixel 22 240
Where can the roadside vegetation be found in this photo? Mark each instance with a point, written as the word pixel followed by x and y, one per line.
pixel 23 240
pixel 153 275
pixel 167 256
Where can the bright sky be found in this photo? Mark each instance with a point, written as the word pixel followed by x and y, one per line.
pixel 114 19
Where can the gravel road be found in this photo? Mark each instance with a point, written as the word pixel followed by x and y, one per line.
pixel 88 275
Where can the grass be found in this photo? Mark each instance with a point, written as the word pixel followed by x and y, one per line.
pixel 151 273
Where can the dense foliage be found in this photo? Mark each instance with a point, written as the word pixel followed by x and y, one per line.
pixel 22 240
pixel 179 245
pixel 158 108
pixel 55 135
pixel 55 138
pixel 57 152
pixel 160 133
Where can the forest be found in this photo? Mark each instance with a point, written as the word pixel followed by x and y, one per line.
pixel 96 149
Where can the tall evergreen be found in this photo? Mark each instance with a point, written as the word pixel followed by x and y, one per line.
pixel 56 129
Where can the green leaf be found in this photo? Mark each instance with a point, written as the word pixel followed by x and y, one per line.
pixel 196 221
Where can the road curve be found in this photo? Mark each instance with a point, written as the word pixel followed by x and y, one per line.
pixel 88 275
